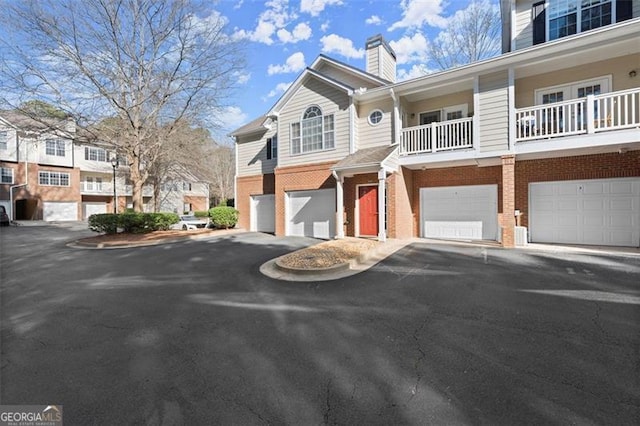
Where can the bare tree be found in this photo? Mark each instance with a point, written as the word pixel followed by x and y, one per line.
pixel 222 172
pixel 472 34
pixel 148 65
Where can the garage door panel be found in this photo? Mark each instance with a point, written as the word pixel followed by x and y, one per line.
pixel 467 212
pixel 311 213
pixel 59 211
pixel 603 212
pixel 263 213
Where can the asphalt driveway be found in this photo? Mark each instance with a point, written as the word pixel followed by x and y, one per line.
pixel 191 333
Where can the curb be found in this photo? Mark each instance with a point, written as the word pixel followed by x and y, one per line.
pixel 274 269
pixel 79 244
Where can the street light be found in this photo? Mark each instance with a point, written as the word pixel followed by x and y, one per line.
pixel 115 164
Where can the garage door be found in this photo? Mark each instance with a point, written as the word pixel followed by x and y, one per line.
pixel 93 208
pixel 311 213
pixel 600 211
pixel 465 212
pixel 263 213
pixel 59 211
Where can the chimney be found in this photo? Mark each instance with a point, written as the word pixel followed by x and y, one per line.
pixel 381 59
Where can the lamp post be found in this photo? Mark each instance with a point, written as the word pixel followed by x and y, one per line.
pixel 115 164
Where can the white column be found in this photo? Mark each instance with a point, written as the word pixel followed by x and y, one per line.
pixel 339 205
pixel 382 188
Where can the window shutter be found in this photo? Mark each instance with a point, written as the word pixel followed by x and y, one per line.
pixel 268 148
pixel 624 10
pixel 539 22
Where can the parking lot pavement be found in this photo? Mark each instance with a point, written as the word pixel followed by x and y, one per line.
pixel 192 333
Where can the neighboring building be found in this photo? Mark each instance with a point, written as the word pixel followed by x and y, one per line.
pixel 45 176
pixel 549 131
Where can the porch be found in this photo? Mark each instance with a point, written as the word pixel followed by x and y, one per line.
pixel 447 135
pixel 588 115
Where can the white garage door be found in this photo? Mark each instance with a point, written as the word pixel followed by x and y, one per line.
pixel 599 211
pixel 311 213
pixel 465 212
pixel 263 213
pixel 59 211
pixel 93 208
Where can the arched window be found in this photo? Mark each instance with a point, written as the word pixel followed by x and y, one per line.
pixel 313 133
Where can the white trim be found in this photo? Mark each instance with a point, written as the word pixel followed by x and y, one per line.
pixel 512 109
pixel 371 123
pixel 570 88
pixel 352 125
pixel 357 209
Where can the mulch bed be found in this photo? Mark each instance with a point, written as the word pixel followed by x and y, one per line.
pixel 126 238
pixel 328 253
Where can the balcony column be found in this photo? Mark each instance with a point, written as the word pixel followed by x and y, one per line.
pixel 382 206
pixel 339 205
pixel 507 218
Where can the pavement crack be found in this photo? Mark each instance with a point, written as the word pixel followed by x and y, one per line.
pixel 327 412
pixel 419 359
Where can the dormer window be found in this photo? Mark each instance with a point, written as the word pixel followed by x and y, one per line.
pixel 315 132
pixel 55 147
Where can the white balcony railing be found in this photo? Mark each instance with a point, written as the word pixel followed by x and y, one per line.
pixel 594 113
pixel 441 136
pixel 96 188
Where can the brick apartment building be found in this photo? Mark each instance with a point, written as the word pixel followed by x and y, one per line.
pixel 540 143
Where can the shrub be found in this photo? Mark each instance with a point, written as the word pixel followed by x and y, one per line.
pixel 106 223
pixel 224 217
pixel 222 203
pixel 201 213
pixel 130 222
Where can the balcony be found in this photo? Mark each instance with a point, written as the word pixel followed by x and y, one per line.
pixel 448 135
pixel 93 188
pixel 588 115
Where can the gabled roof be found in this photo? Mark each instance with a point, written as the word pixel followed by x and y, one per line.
pixel 26 122
pixel 366 157
pixel 349 68
pixel 254 126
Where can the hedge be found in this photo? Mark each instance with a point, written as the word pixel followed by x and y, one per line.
pixel 223 217
pixel 130 222
pixel 201 213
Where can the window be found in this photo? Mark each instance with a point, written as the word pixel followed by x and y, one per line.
pixel 314 133
pixel 95 154
pixel 567 17
pixel 186 186
pixel 55 147
pixel 53 178
pixel 93 184
pixel 272 147
pixel 186 207
pixel 429 117
pixel 4 138
pixel 375 117
pixel 6 175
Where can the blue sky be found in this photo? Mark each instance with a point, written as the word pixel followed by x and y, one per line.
pixel 285 36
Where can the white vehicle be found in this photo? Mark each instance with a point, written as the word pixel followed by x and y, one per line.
pixel 190 222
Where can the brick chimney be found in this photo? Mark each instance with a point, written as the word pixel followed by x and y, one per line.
pixel 381 59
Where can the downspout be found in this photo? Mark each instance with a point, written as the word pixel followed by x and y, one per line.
pixel 396 117
pixel 339 205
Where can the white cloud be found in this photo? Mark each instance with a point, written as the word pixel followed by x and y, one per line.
pixel 280 88
pixel 302 31
pixel 314 7
pixel 277 15
pixel 294 63
pixel 325 26
pixel 373 20
pixel 333 43
pixel 230 117
pixel 416 13
pixel 418 70
pixel 410 49
pixel 243 77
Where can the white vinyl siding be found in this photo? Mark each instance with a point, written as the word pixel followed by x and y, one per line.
pixel 523 25
pixel 347 79
pixel 380 134
pixel 4 140
pixel 494 111
pixel 331 101
pixel 252 155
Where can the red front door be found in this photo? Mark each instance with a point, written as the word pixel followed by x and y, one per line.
pixel 368 210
